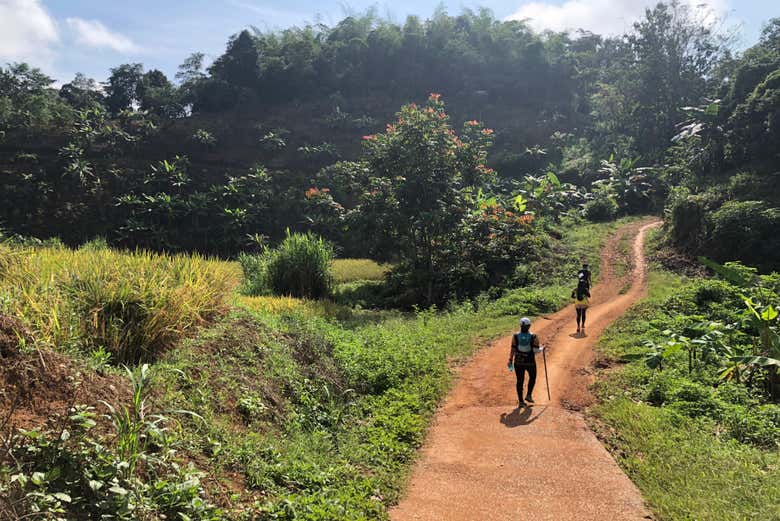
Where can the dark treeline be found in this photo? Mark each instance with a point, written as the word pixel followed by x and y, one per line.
pixel 221 159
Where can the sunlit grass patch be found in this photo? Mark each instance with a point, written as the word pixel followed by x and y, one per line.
pixel 350 270
pixel 269 305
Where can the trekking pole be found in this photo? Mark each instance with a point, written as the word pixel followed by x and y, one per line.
pixel 546 379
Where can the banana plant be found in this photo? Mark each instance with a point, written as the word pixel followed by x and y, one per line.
pixel 657 352
pixel 763 318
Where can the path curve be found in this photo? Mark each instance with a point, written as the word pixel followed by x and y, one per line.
pixel 486 460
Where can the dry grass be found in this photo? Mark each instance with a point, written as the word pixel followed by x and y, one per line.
pixel 130 304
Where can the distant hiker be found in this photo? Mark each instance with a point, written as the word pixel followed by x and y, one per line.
pixel 584 275
pixel 581 296
pixel 522 359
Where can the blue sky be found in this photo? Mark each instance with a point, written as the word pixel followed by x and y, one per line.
pixel 90 36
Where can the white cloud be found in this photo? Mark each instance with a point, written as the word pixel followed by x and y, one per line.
pixel 93 33
pixel 27 32
pixel 608 17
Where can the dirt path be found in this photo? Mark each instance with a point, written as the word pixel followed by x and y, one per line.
pixel 486 460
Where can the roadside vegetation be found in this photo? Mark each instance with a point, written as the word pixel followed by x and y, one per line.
pixel 689 411
pixel 269 406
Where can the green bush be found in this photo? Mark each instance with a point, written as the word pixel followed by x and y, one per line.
pixel 688 220
pixel 255 281
pixel 601 209
pixel 746 231
pixel 363 293
pixel 299 267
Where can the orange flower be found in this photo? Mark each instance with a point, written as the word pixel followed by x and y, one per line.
pixel 485 170
pixel 442 115
pixel 370 137
pixel 429 110
pixel 390 129
pixel 472 123
pixel 434 96
pixel 312 192
pixel 487 131
pixel 525 219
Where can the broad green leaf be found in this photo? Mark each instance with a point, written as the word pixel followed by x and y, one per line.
pixel 769 314
pixel 119 491
pixel 520 203
pixel 759 361
pixel 712 109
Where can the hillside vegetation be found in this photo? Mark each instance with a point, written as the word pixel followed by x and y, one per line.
pixel 239 294
pixel 269 407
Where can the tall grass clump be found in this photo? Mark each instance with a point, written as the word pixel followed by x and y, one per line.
pixel 130 304
pixel 299 267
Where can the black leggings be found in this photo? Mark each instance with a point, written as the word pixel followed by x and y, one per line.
pixel 581 315
pixel 520 370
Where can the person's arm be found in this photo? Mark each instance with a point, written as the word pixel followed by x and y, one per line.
pixel 512 349
pixel 535 344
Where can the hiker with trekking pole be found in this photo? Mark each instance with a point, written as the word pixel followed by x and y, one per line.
pixel 522 359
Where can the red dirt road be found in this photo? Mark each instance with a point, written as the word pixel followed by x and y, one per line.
pixel 484 459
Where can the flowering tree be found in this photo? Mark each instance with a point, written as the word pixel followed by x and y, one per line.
pixel 421 186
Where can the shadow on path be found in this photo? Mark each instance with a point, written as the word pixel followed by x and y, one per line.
pixel 521 416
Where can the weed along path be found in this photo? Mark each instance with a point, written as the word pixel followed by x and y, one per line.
pixel 484 459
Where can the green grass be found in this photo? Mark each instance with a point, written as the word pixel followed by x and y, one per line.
pixel 696 452
pixel 319 417
pixel 684 472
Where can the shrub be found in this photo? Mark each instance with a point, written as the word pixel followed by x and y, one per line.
pixel 96 244
pixel 601 209
pixel 255 281
pixel 363 293
pixel 300 267
pixel 688 226
pixel 746 231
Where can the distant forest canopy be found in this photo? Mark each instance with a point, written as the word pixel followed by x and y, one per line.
pixel 223 158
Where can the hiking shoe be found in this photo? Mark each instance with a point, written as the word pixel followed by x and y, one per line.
pixel 529 399
pixel 522 404
pixel 578 330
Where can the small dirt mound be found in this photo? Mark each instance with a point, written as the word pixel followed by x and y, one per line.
pixel 12 335
pixel 37 388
